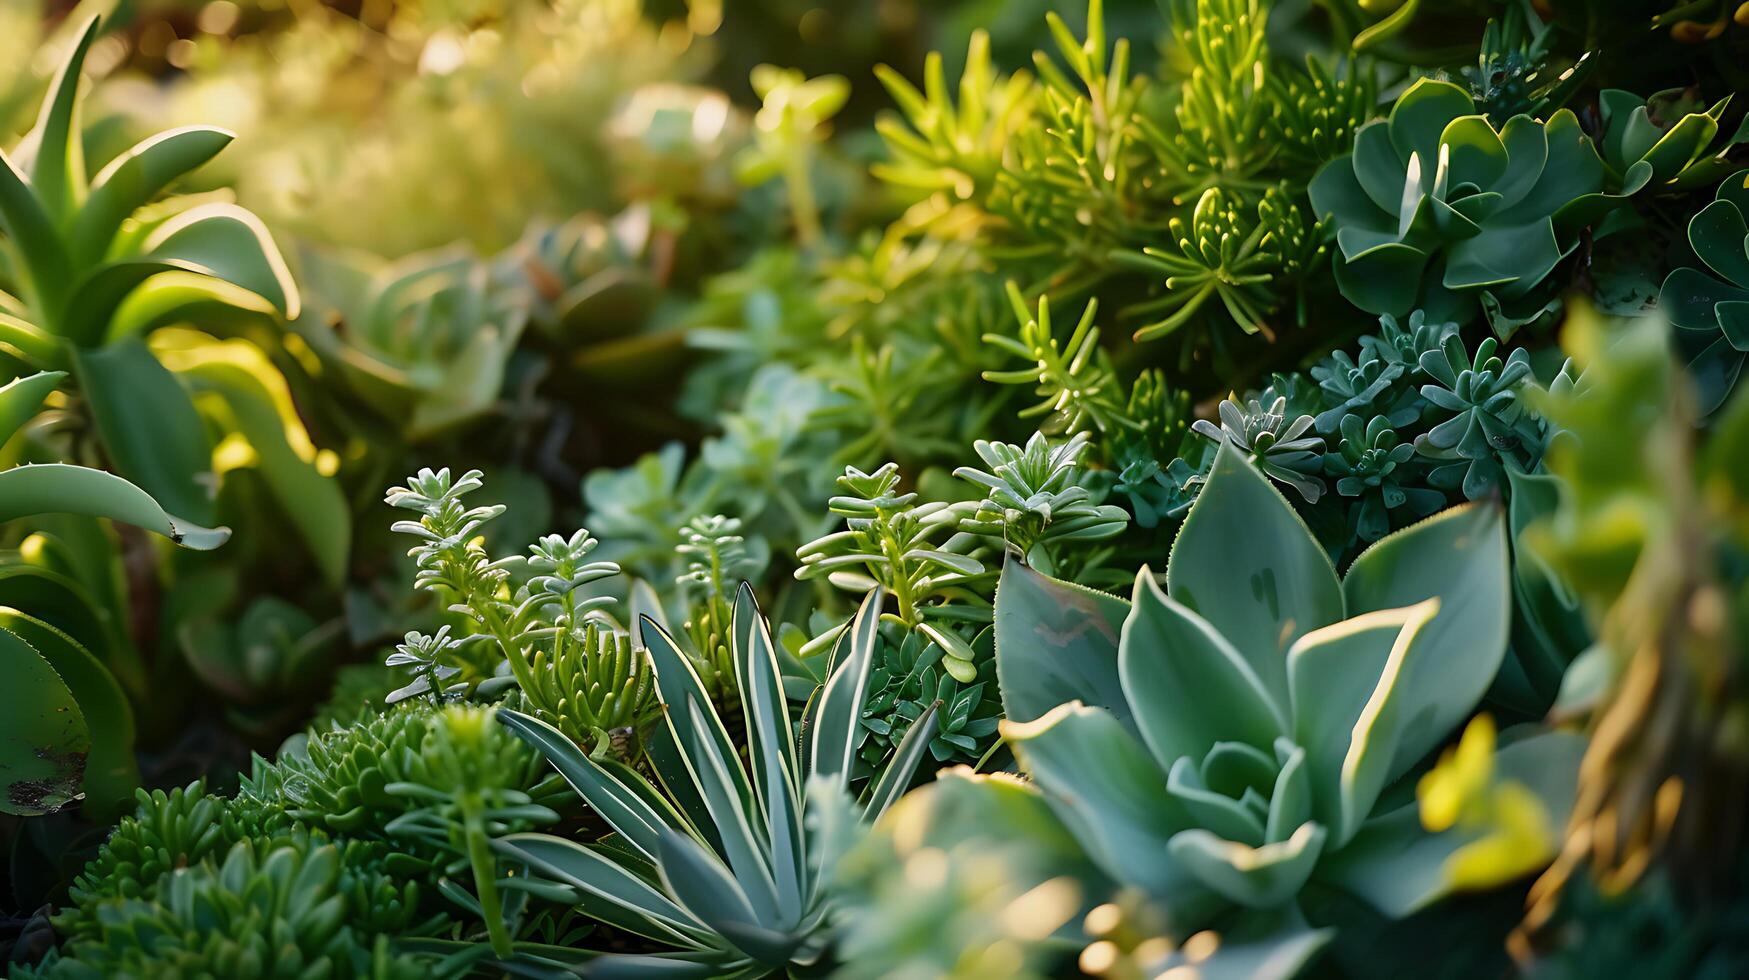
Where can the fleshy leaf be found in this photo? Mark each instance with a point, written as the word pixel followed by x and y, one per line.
pixel 1245 562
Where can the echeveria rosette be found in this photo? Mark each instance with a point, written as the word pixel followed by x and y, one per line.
pixel 1710 307
pixel 1278 446
pixel 1435 208
pixel 1490 429
pixel 1370 465
pixel 1257 720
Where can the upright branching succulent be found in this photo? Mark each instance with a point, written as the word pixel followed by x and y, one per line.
pixel 950 149
pixel 1073 186
pixel 428 659
pixel 1035 498
pixel 1438 210
pixel 896 544
pixel 1073 379
pixel 1317 113
pixel 793 117
pixel 1223 108
pixel 1225 253
pixel 574 670
pixel 716 557
pixel 469 790
pixel 1248 734
pixel 726 866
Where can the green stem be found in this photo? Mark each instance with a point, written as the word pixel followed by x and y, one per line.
pixel 513 652
pixel 485 876
pixel 801 199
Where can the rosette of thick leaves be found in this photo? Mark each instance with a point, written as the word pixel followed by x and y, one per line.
pixel 1253 726
pixel 1662 143
pixel 424 341
pixel 1710 307
pixel 1435 208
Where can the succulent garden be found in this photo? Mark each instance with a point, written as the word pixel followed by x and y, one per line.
pixel 930 488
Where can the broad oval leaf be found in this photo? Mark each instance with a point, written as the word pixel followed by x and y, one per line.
pixel 1056 642
pixel 111 773
pixel 1245 562
pixel 1187 687
pixel 43 735
pixel 1460 558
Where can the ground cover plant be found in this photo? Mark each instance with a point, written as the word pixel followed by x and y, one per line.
pixel 541 488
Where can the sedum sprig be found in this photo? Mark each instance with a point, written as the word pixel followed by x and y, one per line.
pixel 1074 379
pixel 428 657
pixel 717 557
pixel 452 560
pixel 893 542
pixel 1035 497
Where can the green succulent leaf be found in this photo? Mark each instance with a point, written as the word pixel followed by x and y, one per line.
pixel 164 451
pixel 1245 562
pixel 1399 868
pixel 44 738
pixel 1460 650
pixel 1056 642
pixel 111 774
pixel 132 180
pixel 47 488
pixel 21 397
pixel 1168 650
pixel 1256 877
pixel 1119 810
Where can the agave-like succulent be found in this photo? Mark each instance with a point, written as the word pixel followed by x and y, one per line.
pixel 1249 718
pixel 724 862
pixel 1225 253
pixel 1710 307
pixel 949 149
pixel 893 543
pixel 1435 208
pixel 65 716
